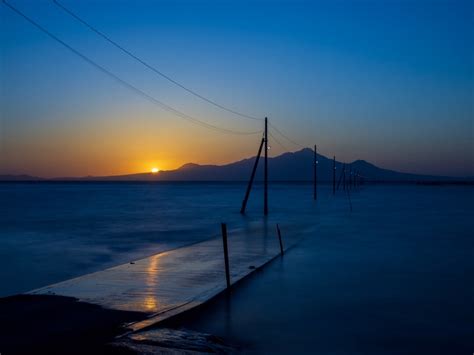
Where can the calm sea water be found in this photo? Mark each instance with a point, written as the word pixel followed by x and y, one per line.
pixel 50 232
pixel 394 276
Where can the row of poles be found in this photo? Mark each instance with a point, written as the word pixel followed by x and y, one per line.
pixel 353 180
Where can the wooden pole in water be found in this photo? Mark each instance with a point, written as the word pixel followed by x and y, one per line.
pixel 279 237
pixel 350 177
pixel 344 177
pixel 226 253
pixel 341 176
pixel 315 192
pixel 334 175
pixel 353 179
pixel 265 200
pixel 249 187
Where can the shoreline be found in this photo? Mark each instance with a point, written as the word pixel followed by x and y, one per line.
pixel 348 278
pixel 58 324
pixel 99 319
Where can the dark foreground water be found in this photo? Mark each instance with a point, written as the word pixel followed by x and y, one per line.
pixel 395 275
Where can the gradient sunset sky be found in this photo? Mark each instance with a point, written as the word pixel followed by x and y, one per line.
pixel 391 82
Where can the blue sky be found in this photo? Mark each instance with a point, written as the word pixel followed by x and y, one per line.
pixel 387 81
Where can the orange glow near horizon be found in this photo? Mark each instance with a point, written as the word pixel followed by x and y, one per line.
pixel 114 144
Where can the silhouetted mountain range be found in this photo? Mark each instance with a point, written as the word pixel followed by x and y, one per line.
pixel 297 166
pixel 11 177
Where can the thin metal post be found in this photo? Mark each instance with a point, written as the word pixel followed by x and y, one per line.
pixel 265 193
pixel 334 176
pixel 349 197
pixel 341 176
pixel 344 178
pixel 226 253
pixel 350 177
pixel 281 242
pixel 315 192
pixel 249 186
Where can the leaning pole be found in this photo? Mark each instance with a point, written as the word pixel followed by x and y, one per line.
pixel 265 188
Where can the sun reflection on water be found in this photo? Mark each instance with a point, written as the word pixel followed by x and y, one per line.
pixel 151 302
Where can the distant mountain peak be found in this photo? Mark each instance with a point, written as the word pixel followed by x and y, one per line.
pixel 19 177
pixel 289 166
pixel 362 161
pixel 189 166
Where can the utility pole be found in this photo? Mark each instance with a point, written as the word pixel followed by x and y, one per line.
pixel 315 192
pixel 263 144
pixel 344 177
pixel 249 186
pixel 265 191
pixel 334 175
pixel 226 254
pixel 350 178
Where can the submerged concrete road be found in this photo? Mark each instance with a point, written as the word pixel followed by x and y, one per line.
pixel 169 283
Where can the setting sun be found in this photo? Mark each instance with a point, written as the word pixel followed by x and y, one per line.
pixel 155 170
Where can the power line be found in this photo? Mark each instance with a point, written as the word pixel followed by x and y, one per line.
pixel 149 66
pixel 278 142
pixel 286 137
pixel 140 92
pixel 125 83
pixel 154 69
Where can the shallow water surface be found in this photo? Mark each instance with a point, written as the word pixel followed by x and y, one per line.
pixel 50 232
pixel 394 275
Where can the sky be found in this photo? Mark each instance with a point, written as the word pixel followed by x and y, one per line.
pixel 391 82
